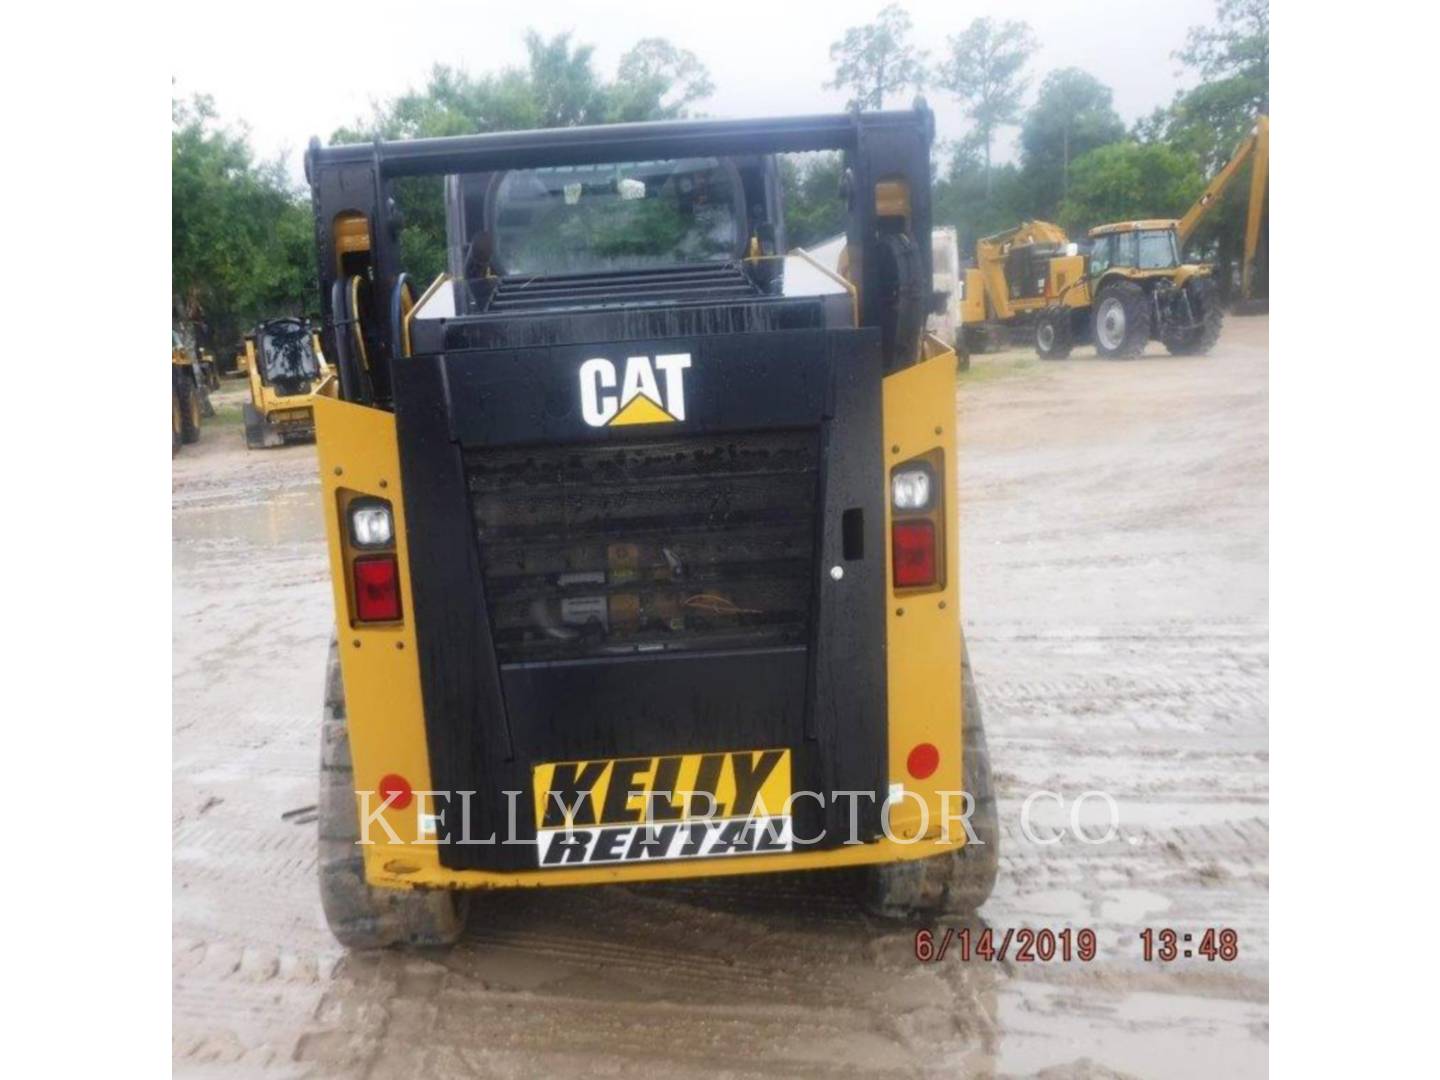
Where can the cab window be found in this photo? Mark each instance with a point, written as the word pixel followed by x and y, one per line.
pixel 286 354
pixel 1102 254
pixel 631 216
pixel 1157 250
pixel 1124 248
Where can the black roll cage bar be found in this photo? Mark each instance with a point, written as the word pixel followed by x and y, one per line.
pixel 355 179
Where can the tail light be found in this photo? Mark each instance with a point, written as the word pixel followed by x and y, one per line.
pixel 917 523
pixel 377 589
pixel 913 552
pixel 371 523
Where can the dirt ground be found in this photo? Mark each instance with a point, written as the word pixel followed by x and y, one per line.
pixel 1114 549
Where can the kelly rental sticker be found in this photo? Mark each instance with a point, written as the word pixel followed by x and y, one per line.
pixel 683 806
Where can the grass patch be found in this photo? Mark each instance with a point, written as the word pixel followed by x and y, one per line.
pixel 998 366
pixel 228 414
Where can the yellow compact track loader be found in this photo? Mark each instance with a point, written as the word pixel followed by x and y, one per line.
pixel 287 371
pixel 643 533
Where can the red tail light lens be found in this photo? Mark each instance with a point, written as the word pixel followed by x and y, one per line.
pixel 913 551
pixel 377 589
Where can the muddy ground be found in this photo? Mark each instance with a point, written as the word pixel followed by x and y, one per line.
pixel 1114 549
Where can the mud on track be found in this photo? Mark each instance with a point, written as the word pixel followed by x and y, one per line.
pixel 1114 561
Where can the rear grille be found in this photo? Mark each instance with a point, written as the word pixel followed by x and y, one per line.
pixel 610 549
pixel 718 281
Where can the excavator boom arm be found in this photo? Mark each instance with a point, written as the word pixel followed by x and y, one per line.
pixel 1259 185
pixel 1256 143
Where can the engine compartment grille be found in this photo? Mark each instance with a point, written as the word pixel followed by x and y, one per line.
pixel 702 542
pixel 701 282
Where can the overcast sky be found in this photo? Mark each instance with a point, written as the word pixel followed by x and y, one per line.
pixel 300 69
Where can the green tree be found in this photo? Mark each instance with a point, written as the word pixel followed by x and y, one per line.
pixel 1072 115
pixel 810 187
pixel 976 201
pixel 1232 60
pixel 658 81
pixel 877 59
pixel 557 87
pixel 1129 180
pixel 985 72
pixel 1236 49
pixel 241 242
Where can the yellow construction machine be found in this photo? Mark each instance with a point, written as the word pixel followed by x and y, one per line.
pixel 1127 285
pixel 1017 274
pixel 1254 148
pixel 643 533
pixel 287 371
pixel 189 388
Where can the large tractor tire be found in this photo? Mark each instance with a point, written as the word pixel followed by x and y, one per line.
pixel 1054 334
pixel 360 915
pixel 1204 297
pixel 175 430
pixel 189 408
pixel 1121 320
pixel 960 881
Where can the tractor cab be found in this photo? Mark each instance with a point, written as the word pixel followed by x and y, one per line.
pixel 1144 246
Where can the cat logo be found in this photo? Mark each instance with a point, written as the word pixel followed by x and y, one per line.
pixel 639 400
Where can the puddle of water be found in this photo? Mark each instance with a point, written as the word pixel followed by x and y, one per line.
pixel 285 518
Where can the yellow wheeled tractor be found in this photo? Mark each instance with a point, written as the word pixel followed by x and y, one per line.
pixel 643 533
pixel 287 371
pixel 1134 289
pixel 1127 288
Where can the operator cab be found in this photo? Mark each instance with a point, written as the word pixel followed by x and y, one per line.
pixel 1135 245
pixel 286 352
pixel 559 254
